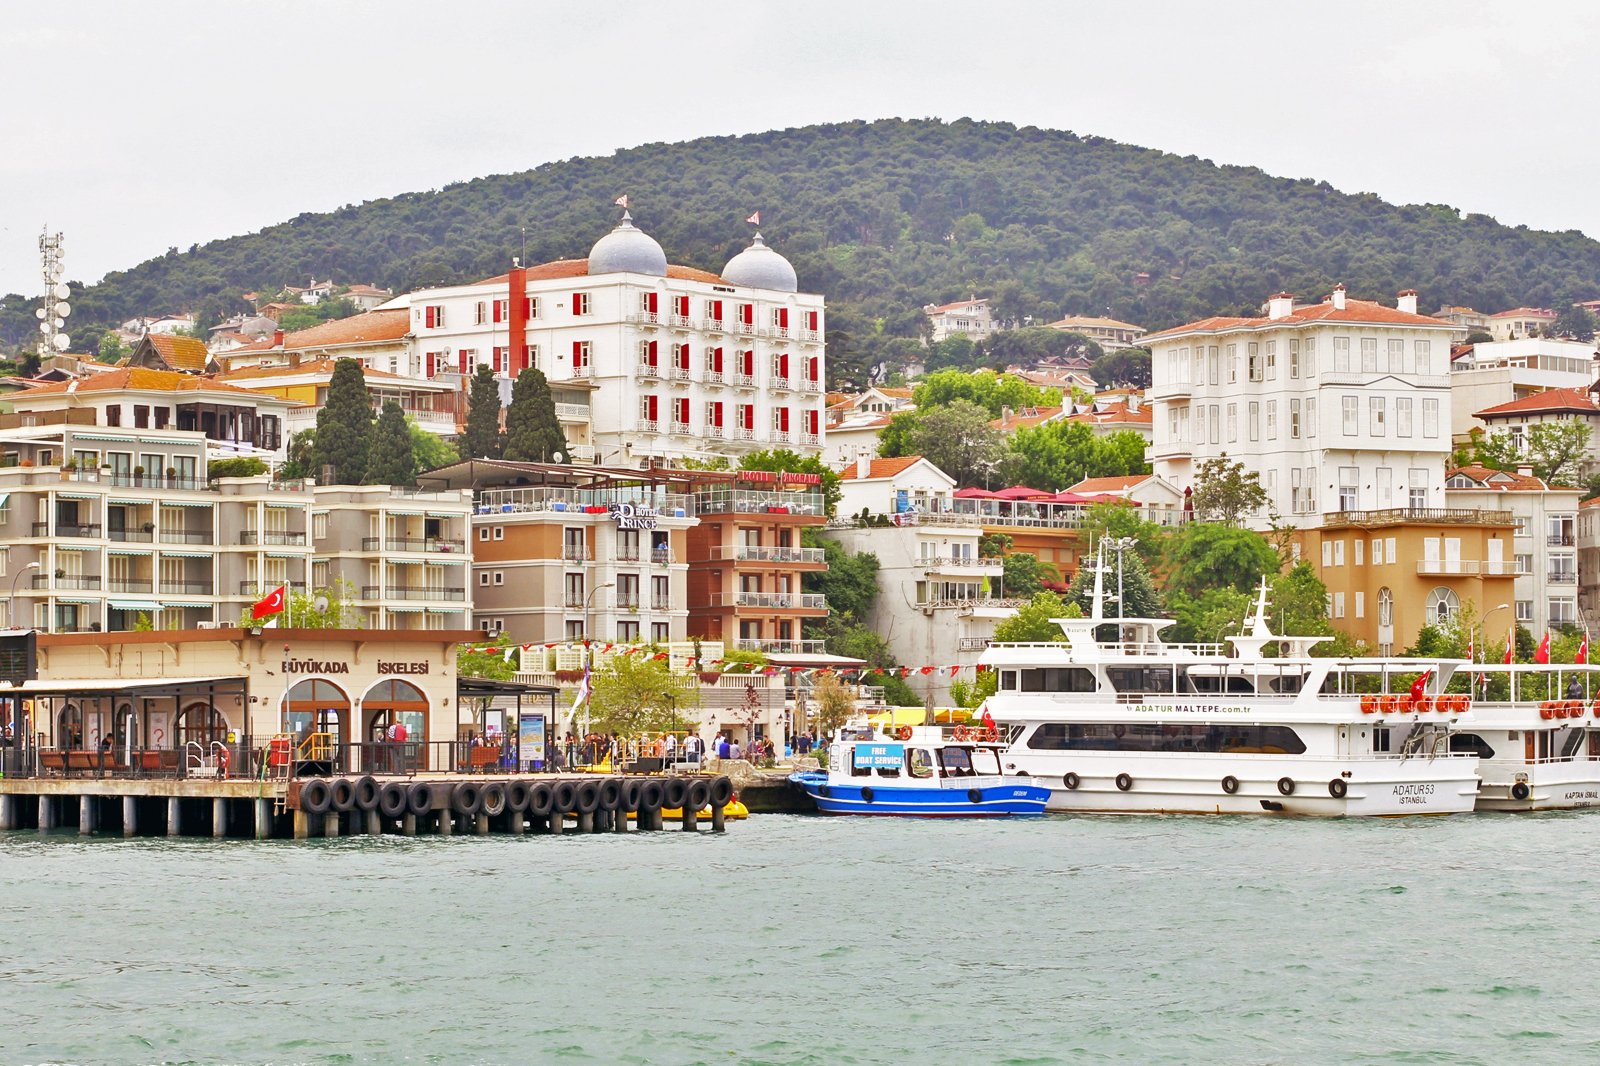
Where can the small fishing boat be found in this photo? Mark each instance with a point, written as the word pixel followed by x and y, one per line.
pixel 918 771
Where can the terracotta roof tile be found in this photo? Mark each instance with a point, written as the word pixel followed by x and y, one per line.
pixel 1574 400
pixel 1488 477
pixel 958 305
pixel 1525 312
pixel 370 328
pixel 1089 486
pixel 1016 420
pixel 1355 311
pixel 180 353
pixel 310 367
pixel 141 378
pixel 882 467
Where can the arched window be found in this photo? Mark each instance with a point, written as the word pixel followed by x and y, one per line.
pixel 315 706
pixel 1442 605
pixel 1385 606
pixel 200 723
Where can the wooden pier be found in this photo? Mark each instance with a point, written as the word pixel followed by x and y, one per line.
pixel 329 807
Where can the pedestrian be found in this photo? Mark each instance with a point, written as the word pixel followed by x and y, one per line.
pixel 722 746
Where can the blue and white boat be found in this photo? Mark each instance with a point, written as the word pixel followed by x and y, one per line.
pixel 918 772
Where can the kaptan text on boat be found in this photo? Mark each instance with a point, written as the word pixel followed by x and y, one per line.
pixel 920 772
pixel 1135 724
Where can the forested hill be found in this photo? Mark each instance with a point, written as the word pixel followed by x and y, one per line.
pixel 883 217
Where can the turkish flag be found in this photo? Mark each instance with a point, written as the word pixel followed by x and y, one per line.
pixel 1419 686
pixel 754 219
pixel 1542 653
pixel 1511 644
pixel 271 603
pixel 1583 651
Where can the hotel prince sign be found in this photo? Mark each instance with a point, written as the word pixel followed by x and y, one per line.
pixel 634 516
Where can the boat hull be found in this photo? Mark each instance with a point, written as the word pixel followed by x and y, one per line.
pixel 1555 786
pixel 1369 787
pixel 996 800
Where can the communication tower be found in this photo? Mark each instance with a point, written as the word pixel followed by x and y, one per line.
pixel 53 311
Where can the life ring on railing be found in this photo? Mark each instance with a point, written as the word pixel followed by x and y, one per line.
pixel 1422 704
pixel 1369 704
pixel 1574 708
pixel 1388 703
pixel 1558 708
pixel 903 733
pixel 1547 710
pixel 964 733
pixel 1597 708
pixel 991 735
pixel 224 759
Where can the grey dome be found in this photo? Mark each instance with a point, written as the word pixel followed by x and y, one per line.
pixel 627 249
pixel 760 267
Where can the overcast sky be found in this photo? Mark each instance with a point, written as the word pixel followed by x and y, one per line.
pixel 138 126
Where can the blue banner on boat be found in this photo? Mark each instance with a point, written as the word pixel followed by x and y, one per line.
pixel 880 756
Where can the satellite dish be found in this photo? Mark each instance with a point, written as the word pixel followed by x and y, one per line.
pixel 45 327
pixel 62 290
pixel 558 457
pixel 39 313
pixel 59 322
pixel 63 308
pixel 61 342
pixel 320 603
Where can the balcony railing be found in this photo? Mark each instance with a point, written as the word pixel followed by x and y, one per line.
pixel 745 381
pixel 682 322
pixel 577 554
pixel 1562 577
pixel 714 377
pixel 811 439
pixel 680 373
pixel 65 582
pixel 714 432
pixel 583 373
pixel 645 318
pixel 271 536
pixel 412 592
pixel 810 385
pixel 780 436
pixel 573 602
pixel 648 371
pixel 186 536
pixel 661 556
pixel 131 536
pixel 746 433
pixel 627 555
pixel 1559 540
pixel 42 529
pixel 747 328
pixel 411 544
pixel 573 412
pixel 186 588
pixel 762 553
pixel 1396 516
pixel 661 603
pixel 157 481
pixel 1447 567
pixel 129 586
pixel 581 501
pixel 959 562
pixel 715 325
pixel 780 382
pixel 811 336
pixel 754 501
pixel 780 601
pixel 782 647
pixel 647 425
pixel 680 429
pixel 778 331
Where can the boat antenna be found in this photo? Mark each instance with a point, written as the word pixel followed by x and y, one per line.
pixel 1258 622
pixel 1097 605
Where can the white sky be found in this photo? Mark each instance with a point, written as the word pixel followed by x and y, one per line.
pixel 139 126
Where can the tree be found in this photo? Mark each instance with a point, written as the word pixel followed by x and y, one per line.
pixel 835 703
pixel 344 427
pixel 1226 492
pixel 1126 366
pixel 533 433
pixel 390 460
pixel 1204 555
pixel 1561 451
pixel 431 450
pixel 1139 596
pixel 487 660
pixel 896 693
pixel 1032 620
pixel 301 461
pixel 111 347
pixel 957 351
pixel 633 694
pixel 991 391
pixel 958 439
pixel 1024 574
pixel 894 440
pixel 1057 454
pixel 782 460
pixel 1124 518
pixel 1574 323
pixel 850 582
pixel 482 438
pixel 1211 615
pixel 853 640
pixel 329 607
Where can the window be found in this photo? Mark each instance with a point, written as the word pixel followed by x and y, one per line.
pixel 714 312
pixel 1442 606
pixel 1385 607
pixel 1360 547
pixel 530 307
pixel 499 532
pixel 648 303
pixel 1229 737
pixel 433 317
pixel 1397 356
pixel 628 632
pixel 1524 610
pixel 483 577
pixel 1211 363
pixel 1272 360
pixel 1338 553
pixel 1294 419
pixel 1308 365
pixel 530 356
pixel 1253 358
pixel 581 353
pixel 660 632
pixel 1423 351
pixel 1294 358
pixel 483 532
pixel 1361 604
pixel 1349 417
pixel 114 414
pixel 1341 354
pixel 1377 551
pixel 574 630
pixel 1563 612
pixel 1216 426
pixel 1232 351
pixel 580 303
pixel 1376 423
pixel 1200 423
pixel 480 313
pixel 1402 416
pixel 1296 491
pixel 1523 561
pixel 1272 419
pixel 1311 416
pixel 1349 487
pixel 1369 355
pixel 680 357
pixel 319 524
pixel 1255 420
pixel 1338 605
pixel 1430 417
pixel 1233 422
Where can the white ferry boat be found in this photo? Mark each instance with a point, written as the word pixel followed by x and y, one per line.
pixel 1139 725
pixel 1536 731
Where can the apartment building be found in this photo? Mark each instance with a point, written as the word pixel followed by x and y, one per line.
pixel 685 363
pixel 971 317
pixel 1486 375
pixel 1554 406
pixel 1340 405
pixel 747 562
pixel 432 405
pixel 1544 548
pixel 1588 545
pixel 1109 333
pixel 1521 322
pixel 564 553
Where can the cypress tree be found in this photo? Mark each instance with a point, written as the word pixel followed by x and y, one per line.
pixel 392 461
pixel 482 439
pixel 344 426
pixel 533 434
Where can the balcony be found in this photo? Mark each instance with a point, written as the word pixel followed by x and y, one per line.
pixel 130 536
pixel 1447 567
pixel 582 373
pixel 661 556
pixel 573 412
pixel 141 587
pixel 762 553
pixel 714 432
pixel 644 318
pixel 409 544
pixel 780 332
pixel 680 375
pixel 64 583
pixel 746 433
pixel 42 529
pixel 965 564
pixel 776 601
pixel 810 385
pixel 812 440
pixel 272 537
pixel 1399 516
pixel 661 603
pixel 574 553
pixel 186 536
pixel 682 322
pixel 680 429
pixel 714 377
pixel 186 588
pixel 715 325
pixel 780 436
pixel 647 371
pixel 811 336
pixel 1562 577
pixel 627 603
pixel 747 329
pixel 412 592
pixel 157 481
pixel 580 501
pixel 1559 540
pixel 647 425
pixel 744 381
pixel 573 601
pixel 627 555
pixel 780 383
pixel 782 647
pixel 1170 390
pixel 757 501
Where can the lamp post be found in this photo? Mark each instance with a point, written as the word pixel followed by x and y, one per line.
pixel 1484 626
pixel 588 648
pixel 11 604
pixel 672 701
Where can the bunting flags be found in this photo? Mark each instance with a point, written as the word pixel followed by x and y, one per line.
pixel 725 666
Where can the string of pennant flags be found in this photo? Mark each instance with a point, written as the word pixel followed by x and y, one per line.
pixel 846 672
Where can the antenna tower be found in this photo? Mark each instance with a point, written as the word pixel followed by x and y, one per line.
pixel 54 309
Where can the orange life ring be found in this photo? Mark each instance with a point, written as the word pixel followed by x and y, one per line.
pixel 1547 710
pixel 903 733
pixel 964 733
pixel 991 734
pixel 1388 703
pixel 1369 704
pixel 224 759
pixel 1597 708
pixel 1574 708
pixel 1421 704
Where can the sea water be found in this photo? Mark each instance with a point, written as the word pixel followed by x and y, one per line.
pixel 812 940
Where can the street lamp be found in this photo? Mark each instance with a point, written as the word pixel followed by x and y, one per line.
pixel 11 604
pixel 672 701
pixel 1483 624
pixel 588 647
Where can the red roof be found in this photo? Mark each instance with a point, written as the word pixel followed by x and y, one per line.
pixel 1090 486
pixel 370 328
pixel 1551 400
pixel 141 378
pixel 1525 312
pixel 958 305
pixel 1487 477
pixel 1354 311
pixel 881 467
pixel 180 353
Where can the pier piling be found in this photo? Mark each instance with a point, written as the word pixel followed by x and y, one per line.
pixel 130 816
pixel 408 825
pixel 174 816
pixel 47 813
pixel 219 817
pixel 330 824
pixel 8 812
pixel 691 818
pixel 85 815
pixel 263 819
pixel 719 819
pixel 302 825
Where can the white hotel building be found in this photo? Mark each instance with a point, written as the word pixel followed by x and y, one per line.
pixel 648 361
pixel 1342 405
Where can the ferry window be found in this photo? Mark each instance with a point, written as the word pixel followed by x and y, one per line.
pixel 1141 678
pixel 957 761
pixel 1058 679
pixel 1381 739
pixel 986 762
pixel 1473 744
pixel 1008 679
pixel 920 762
pixel 1220 738
pixel 858 770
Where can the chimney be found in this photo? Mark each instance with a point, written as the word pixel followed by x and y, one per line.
pixel 1005 416
pixel 1408 301
pixel 864 465
pixel 1133 402
pixel 1525 471
pixel 277 338
pixel 1338 297
pixel 1280 305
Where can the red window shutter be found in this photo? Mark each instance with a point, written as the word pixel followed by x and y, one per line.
pixel 783 317
pixel 497 312
pixel 651 356
pixel 682 308
pixel 783 419
pixel 749 362
pixel 461 357
pixel 716 413
pixel 577 353
pixel 716 310
pixel 747 313
pixel 650 302
pixel 433 362
pixel 650 407
pixel 811 320
pixel 683 411
pixel 749 416
pixel 527 356
pixel 811 422
pixel 716 360
pixel 783 365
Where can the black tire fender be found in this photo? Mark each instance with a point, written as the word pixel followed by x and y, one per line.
pixel 676 792
pixel 611 795
pixel 721 792
pixel 467 798
pixel 1337 788
pixel 494 799
pixel 367 793
pixel 699 794
pixel 541 799
pixel 566 797
pixel 344 794
pixel 1286 786
pixel 588 797
pixel 632 789
pixel 316 797
pixel 518 793
pixel 392 800
pixel 419 798
pixel 1124 782
pixel 974 795
pixel 1520 791
pixel 1230 784
pixel 1071 781
pixel 650 796
pixel 866 794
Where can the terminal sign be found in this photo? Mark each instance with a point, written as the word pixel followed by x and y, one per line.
pixel 634 516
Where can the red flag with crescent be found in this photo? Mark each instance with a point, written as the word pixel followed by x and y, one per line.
pixel 271 603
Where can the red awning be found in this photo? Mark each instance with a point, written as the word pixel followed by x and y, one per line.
pixel 976 494
pixel 1021 492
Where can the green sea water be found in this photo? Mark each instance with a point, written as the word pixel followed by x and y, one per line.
pixel 810 940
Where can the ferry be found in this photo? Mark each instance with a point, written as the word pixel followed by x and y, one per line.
pixel 1536 732
pixel 1138 725
pixel 918 771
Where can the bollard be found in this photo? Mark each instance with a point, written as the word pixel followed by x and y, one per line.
pixel 263 819
pixel 219 817
pixel 174 817
pixel 408 825
pixel 85 815
pixel 302 825
pixel 619 821
pixel 719 819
